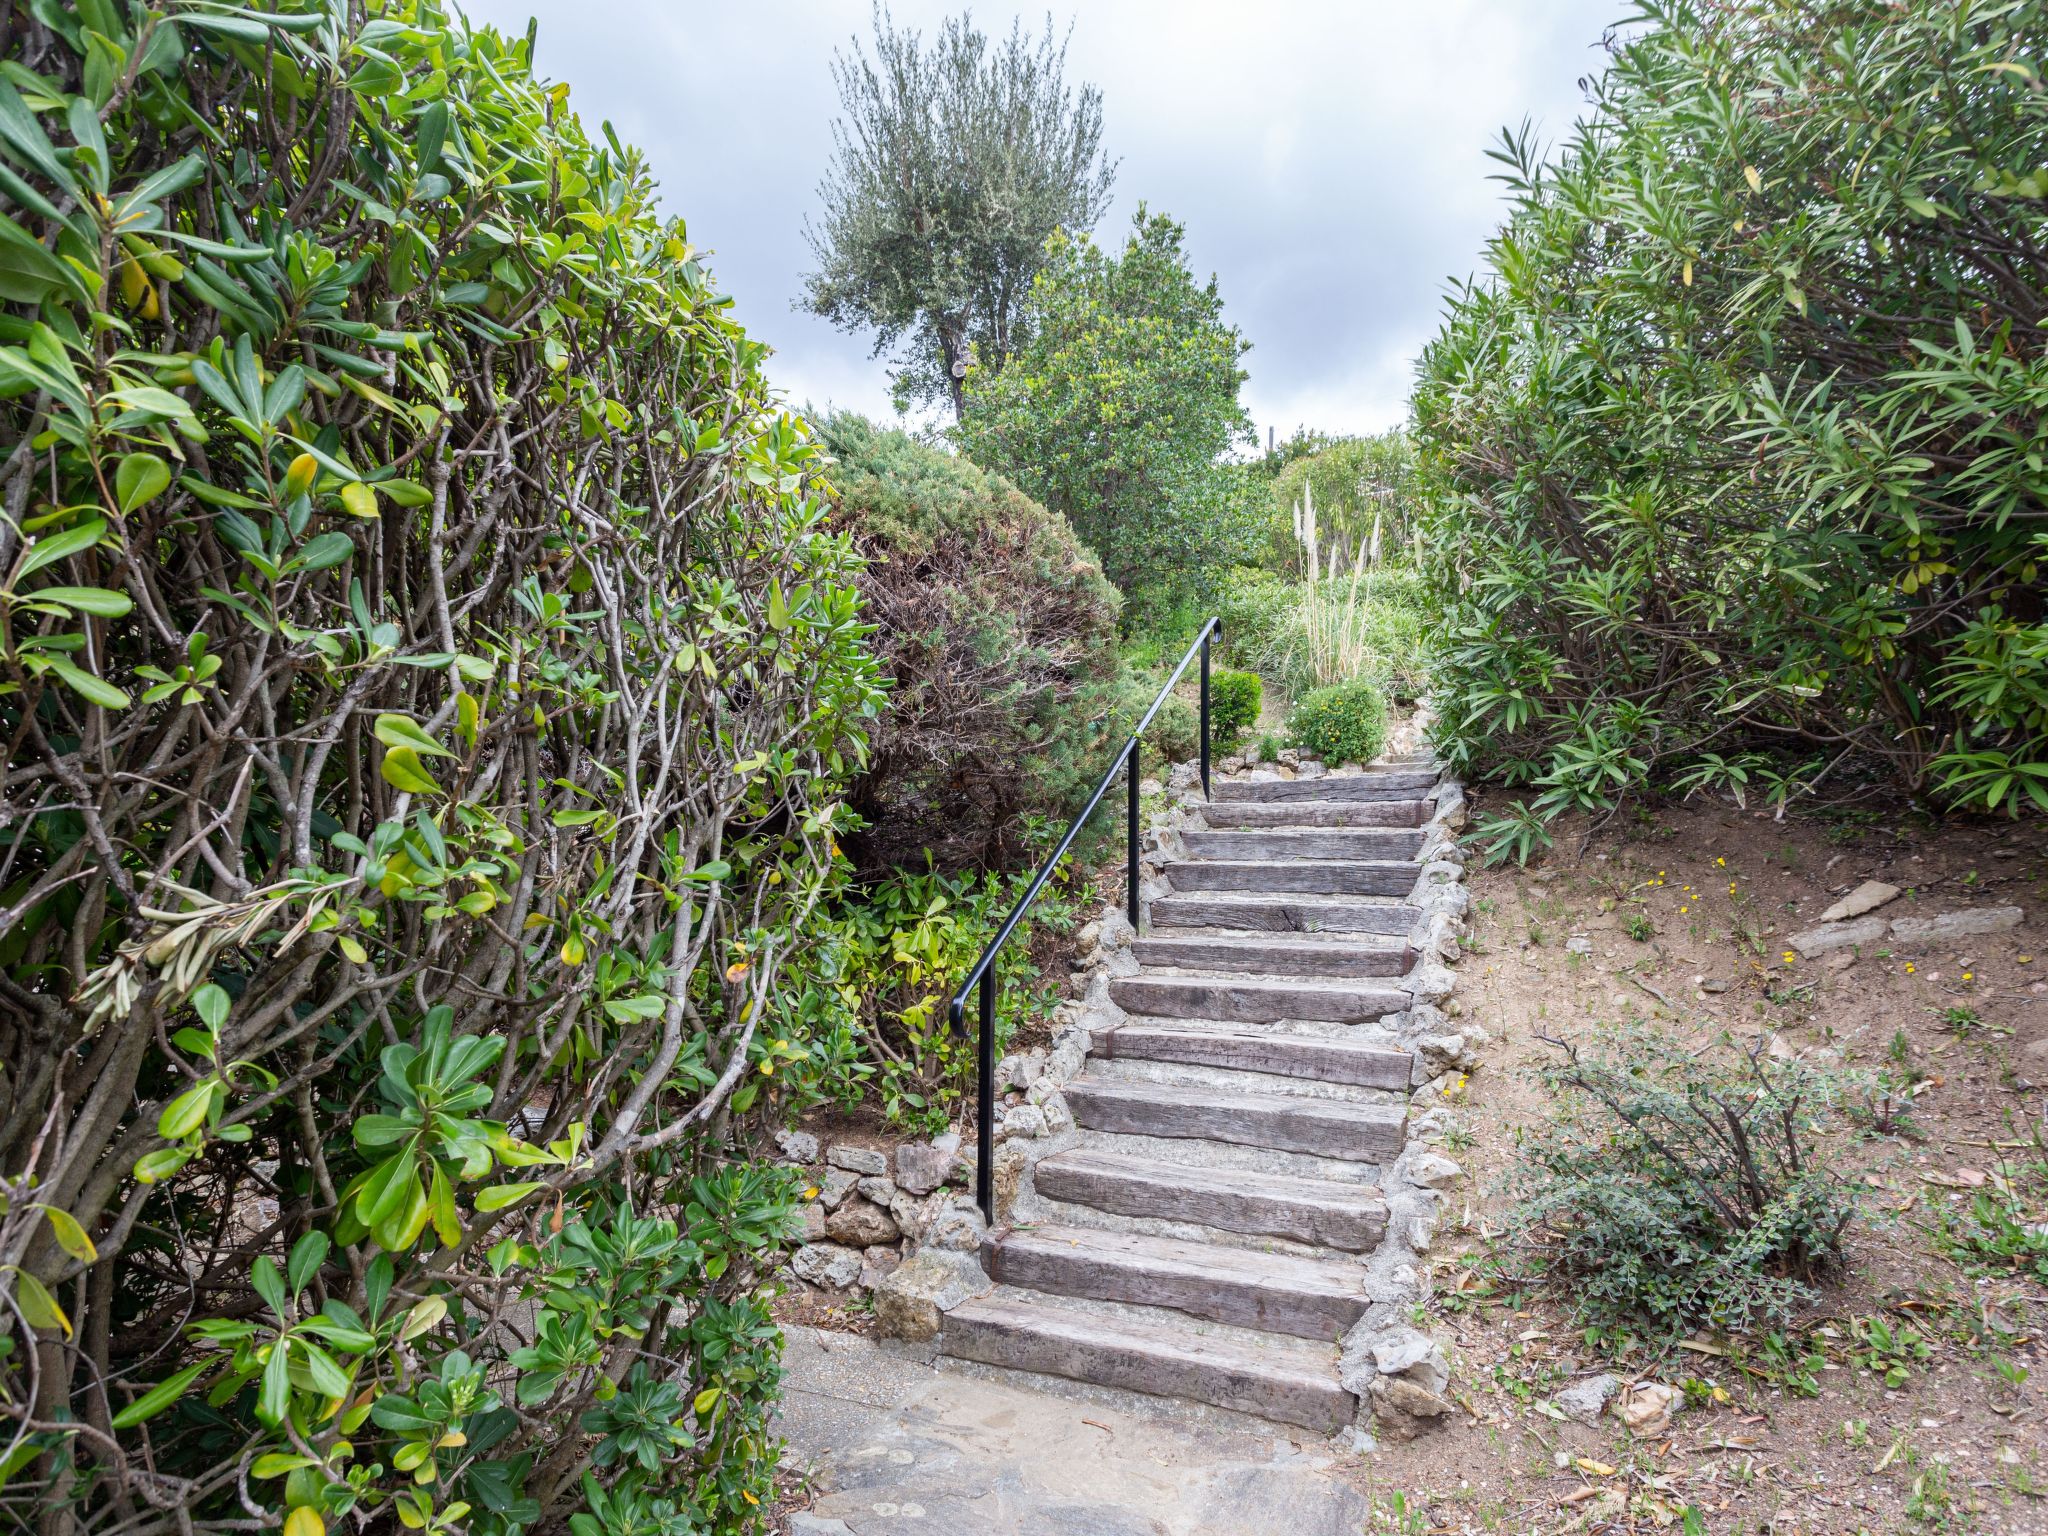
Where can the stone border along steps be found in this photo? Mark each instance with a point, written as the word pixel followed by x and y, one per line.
pixel 1215 1192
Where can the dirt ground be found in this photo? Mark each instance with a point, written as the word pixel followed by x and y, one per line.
pixel 1680 919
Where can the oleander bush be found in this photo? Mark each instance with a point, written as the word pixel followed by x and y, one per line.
pixel 1344 723
pixel 1680 1188
pixel 1732 464
pixel 997 633
pixel 431 681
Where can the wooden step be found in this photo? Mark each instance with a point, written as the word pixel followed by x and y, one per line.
pixel 1310 877
pixel 1308 1056
pixel 1275 957
pixel 1287 1380
pixel 1337 1128
pixel 1383 784
pixel 1319 813
pixel 1250 913
pixel 1322 1213
pixel 1309 843
pixel 1276 1292
pixel 1254 1000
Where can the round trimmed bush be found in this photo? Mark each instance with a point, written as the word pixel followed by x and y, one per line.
pixel 1235 699
pixel 1343 724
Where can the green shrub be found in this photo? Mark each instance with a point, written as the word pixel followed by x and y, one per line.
pixel 428 613
pixel 1256 608
pixel 998 634
pixel 1344 724
pixel 1679 1189
pixel 1740 450
pixel 1235 699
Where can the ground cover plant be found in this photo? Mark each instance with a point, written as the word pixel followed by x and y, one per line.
pixel 1731 462
pixel 430 680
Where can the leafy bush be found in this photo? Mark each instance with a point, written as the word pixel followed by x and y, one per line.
pixel 1363 491
pixel 998 633
pixel 1739 449
pixel 1256 608
pixel 1117 406
pixel 1680 1189
pixel 431 682
pixel 1235 699
pixel 1343 724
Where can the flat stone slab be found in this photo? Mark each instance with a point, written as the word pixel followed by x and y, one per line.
pixel 1307 1056
pixel 1315 877
pixel 1867 897
pixel 1965 924
pixel 895 1447
pixel 1381 784
pixel 1322 1213
pixel 1248 913
pixel 1361 1133
pixel 1831 936
pixel 1277 1292
pixel 1274 957
pixel 1253 1000
pixel 1318 813
pixel 1295 1383
pixel 1304 843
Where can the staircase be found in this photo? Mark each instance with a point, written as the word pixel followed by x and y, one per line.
pixel 1203 1233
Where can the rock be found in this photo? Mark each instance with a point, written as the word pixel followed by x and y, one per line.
pixel 912 1215
pixel 1714 985
pixel 1957 925
pixel 878 1189
pixel 2030 1065
pixel 1058 1117
pixel 1086 939
pixel 1867 897
pixel 801 1524
pixel 1432 1170
pixel 1402 1408
pixel 810 1219
pixel 1578 944
pixel 1309 768
pixel 1586 1400
pixel 827 1264
pixel 1022 1120
pixel 1815 942
pixel 797 1146
pixel 833 1189
pixel 1840 960
pixel 957 1228
pixel 865 1161
pixel 948 1143
pixel 878 1264
pixel 1647 1408
pixel 861 1225
pixel 1442 1053
pixel 1398 1287
pixel 921 1169
pixel 910 1303
pixel 1409 1352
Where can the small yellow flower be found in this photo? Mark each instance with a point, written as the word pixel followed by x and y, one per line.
pixel 1721 863
pixel 1909 967
pixel 2026 959
pixel 1969 976
pixel 1788 957
pixel 1683 910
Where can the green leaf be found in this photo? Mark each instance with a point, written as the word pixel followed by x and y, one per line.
pixel 425 1314
pixel 277 1463
pixel 139 480
pixel 97 601
pixel 91 688
pixel 402 769
pixel 359 500
pixel 37 1305
pixel 210 1002
pixel 159 1397
pixel 187 1112
pixel 60 546
pixel 155 1167
pixel 495 1197
pixel 70 1235
pixel 326 551
pixel 403 731
pixel 274 1398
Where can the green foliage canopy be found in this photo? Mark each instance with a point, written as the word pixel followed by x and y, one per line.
pixel 1739 448
pixel 430 678
pixel 954 165
pixel 1118 407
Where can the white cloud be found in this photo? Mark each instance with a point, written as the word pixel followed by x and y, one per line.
pixel 1327 156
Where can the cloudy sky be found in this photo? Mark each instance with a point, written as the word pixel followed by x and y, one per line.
pixel 1328 157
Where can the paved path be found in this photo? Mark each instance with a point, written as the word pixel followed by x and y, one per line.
pixel 896 1447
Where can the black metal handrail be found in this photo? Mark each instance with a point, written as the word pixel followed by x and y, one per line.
pixel 984 973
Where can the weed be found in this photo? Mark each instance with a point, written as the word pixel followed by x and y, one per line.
pixel 1640 928
pixel 1996 1236
pixel 1889 1352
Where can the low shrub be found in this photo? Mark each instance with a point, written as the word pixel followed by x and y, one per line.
pixel 1679 1190
pixel 1235 699
pixel 998 633
pixel 1344 724
pixel 1257 611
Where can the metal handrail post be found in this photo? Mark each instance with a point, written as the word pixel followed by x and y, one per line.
pixel 1131 835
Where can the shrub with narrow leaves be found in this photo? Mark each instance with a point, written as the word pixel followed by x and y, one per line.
pixel 431 681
